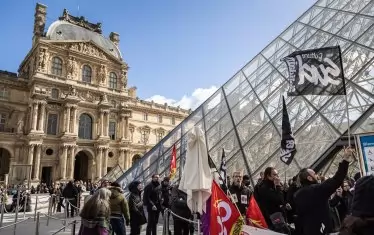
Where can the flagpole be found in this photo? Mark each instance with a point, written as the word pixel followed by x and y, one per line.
pixel 348 122
pixel 220 177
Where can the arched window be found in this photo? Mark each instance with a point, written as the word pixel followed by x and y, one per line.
pixel 56 66
pixel 113 80
pixel 85 127
pixel 54 93
pixel 52 124
pixel 136 158
pixel 86 74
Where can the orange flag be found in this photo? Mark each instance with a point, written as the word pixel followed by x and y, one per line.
pixel 254 214
pixel 224 216
pixel 173 163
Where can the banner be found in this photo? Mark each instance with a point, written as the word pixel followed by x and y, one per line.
pixel 224 216
pixel 288 146
pixel 173 163
pixel 254 214
pixel 248 230
pixel 316 72
pixel 366 152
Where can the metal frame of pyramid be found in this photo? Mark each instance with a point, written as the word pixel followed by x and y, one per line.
pixel 244 115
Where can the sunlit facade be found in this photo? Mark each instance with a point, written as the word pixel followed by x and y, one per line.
pixel 69 113
pixel 244 116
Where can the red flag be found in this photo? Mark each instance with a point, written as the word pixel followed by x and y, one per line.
pixel 254 214
pixel 223 215
pixel 173 163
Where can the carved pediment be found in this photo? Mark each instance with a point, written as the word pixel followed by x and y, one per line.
pixel 85 47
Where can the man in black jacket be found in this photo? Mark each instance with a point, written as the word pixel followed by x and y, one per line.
pixel 179 207
pixel 152 200
pixel 312 200
pixel 239 193
pixel 270 198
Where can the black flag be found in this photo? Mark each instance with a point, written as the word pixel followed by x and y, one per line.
pixel 223 169
pixel 288 146
pixel 316 72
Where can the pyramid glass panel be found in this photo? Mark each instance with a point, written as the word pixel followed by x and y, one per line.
pixel 244 116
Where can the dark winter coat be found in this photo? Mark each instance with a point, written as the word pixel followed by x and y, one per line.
pixel 240 196
pixel 165 192
pixel 270 200
pixel 70 191
pixel 152 196
pixel 137 215
pixel 179 204
pixel 312 203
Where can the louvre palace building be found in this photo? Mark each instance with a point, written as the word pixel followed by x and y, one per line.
pixel 68 113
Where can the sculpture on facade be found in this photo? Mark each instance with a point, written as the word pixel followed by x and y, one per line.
pixel 123 77
pixel 101 75
pixel 43 59
pixel 72 67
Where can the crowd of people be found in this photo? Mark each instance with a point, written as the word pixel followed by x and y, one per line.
pixel 306 205
pixel 313 205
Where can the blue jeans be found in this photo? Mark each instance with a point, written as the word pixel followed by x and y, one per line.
pixel 118 226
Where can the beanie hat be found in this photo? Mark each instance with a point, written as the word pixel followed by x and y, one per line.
pixel 133 186
pixel 357 176
pixel 362 204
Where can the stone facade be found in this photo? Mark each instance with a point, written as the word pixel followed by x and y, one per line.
pixel 69 113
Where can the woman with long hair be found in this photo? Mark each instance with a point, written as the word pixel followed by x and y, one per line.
pixel 95 214
pixel 361 221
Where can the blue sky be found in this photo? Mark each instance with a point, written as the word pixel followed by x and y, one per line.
pixel 178 51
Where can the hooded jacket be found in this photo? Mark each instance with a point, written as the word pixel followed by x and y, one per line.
pixel 312 203
pixel 137 216
pixel 118 204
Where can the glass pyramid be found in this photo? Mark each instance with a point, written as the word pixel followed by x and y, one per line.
pixel 244 116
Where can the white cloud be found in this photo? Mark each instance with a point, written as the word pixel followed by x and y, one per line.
pixel 192 101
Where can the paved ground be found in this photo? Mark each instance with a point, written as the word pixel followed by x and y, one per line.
pixel 29 226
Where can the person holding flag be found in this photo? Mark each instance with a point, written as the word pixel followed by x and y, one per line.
pixel 239 193
pixel 312 200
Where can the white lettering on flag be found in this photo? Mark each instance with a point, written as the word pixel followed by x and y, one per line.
pixel 312 74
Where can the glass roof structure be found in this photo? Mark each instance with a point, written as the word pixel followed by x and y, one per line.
pixel 244 116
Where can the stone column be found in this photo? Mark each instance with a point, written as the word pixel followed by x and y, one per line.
pixel 99 157
pixel 34 116
pixel 127 128
pixel 101 128
pixel 127 160
pixel 67 126
pixel 30 158
pixel 41 116
pixel 121 132
pixel 121 159
pixel 105 161
pixel 74 119
pixel 37 162
pixel 63 159
pixel 107 124
pixel 72 161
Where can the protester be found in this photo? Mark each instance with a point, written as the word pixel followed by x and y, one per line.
pixel 271 201
pixel 312 200
pixel 361 222
pixel 239 193
pixel 152 200
pixel 180 208
pixel 118 210
pixel 95 214
pixel 70 193
pixel 137 216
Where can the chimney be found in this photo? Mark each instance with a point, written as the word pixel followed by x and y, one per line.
pixel 114 37
pixel 39 21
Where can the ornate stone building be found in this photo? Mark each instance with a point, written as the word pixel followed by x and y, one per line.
pixel 68 113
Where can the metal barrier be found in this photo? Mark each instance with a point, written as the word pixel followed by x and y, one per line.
pixel 166 221
pixel 52 201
